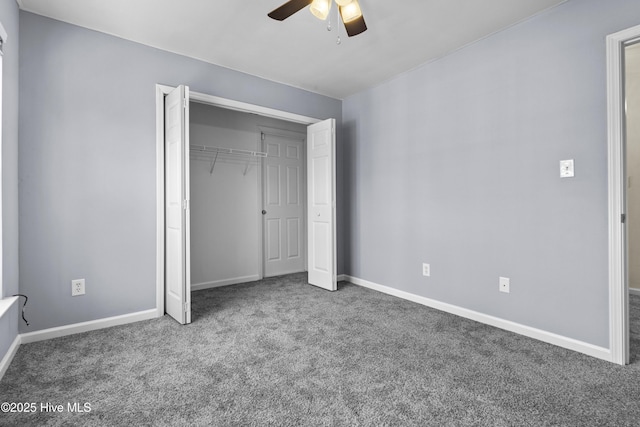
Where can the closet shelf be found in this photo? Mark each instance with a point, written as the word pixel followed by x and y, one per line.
pixel 213 152
pixel 207 149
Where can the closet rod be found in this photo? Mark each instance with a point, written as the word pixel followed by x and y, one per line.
pixel 213 152
pixel 207 149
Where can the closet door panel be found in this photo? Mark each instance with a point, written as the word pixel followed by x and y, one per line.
pixel 274 237
pixel 293 238
pixel 293 185
pixel 177 261
pixel 321 204
pixel 273 185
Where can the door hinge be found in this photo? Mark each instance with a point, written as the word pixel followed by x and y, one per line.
pixel 187 307
pixel 185 102
pixel 623 218
pixel 185 204
pixel 262 136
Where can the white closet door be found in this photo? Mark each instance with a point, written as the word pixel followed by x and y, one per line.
pixel 283 212
pixel 177 256
pixel 321 203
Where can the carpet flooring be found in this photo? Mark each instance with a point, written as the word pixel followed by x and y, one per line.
pixel 280 352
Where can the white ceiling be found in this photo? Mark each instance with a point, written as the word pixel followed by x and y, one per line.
pixel 299 51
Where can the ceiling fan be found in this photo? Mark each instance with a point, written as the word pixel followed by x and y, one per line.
pixel 349 12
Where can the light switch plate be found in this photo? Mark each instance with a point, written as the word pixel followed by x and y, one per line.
pixel 503 284
pixel 566 168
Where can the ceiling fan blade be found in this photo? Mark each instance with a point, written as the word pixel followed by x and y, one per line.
pixel 288 9
pixel 356 26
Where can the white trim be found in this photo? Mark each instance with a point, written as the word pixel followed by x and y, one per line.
pixel 3 34
pixel 6 360
pixel 618 294
pixel 548 337
pixel 284 133
pixel 225 282
pixel 261 201
pixel 634 291
pixel 5 304
pixel 92 325
pixel 161 91
pixel 230 104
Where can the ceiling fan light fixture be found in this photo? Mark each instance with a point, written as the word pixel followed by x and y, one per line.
pixel 343 3
pixel 351 11
pixel 320 8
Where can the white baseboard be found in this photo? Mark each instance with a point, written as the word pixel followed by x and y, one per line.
pixel 92 325
pixel 225 282
pixel 6 360
pixel 548 337
pixel 634 291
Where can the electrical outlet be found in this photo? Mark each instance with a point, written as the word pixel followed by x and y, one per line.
pixel 504 284
pixel 77 287
pixel 426 270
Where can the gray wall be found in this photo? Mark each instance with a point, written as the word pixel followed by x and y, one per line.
pixel 88 158
pixel 8 323
pixel 456 164
pixel 225 204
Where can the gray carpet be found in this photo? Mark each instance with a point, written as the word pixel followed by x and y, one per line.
pixel 280 352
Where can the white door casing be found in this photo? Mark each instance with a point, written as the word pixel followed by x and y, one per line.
pixel 283 205
pixel 321 202
pixel 618 287
pixel 177 224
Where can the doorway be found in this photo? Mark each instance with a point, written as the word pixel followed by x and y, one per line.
pixel 632 161
pixel 284 202
pixel 619 273
pixel 632 171
pixel 233 155
pixel 321 190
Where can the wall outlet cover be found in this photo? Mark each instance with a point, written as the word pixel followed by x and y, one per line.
pixel 426 270
pixel 77 287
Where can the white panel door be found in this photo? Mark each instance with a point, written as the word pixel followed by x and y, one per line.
pixel 283 208
pixel 321 204
pixel 177 256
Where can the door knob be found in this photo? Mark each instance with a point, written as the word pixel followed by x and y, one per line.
pixel 264 212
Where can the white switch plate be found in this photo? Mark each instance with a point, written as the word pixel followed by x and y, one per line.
pixel 426 270
pixel 566 168
pixel 77 287
pixel 504 284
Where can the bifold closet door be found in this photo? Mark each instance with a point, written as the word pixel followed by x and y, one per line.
pixel 321 204
pixel 177 233
pixel 283 210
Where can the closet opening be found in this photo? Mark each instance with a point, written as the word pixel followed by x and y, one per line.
pixel 244 192
pixel 247 196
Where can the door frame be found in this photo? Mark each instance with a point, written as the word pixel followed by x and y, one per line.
pixel 618 277
pixel 230 104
